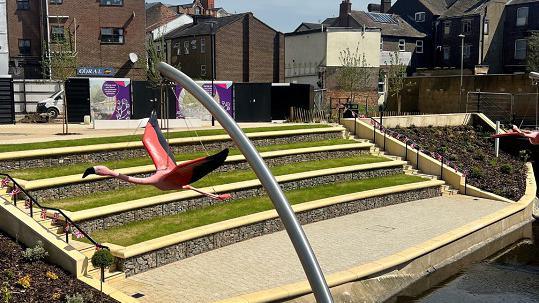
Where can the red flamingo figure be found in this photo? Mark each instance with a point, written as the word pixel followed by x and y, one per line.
pixel 168 175
pixel 532 136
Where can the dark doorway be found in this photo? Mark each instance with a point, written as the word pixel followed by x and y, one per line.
pixel 147 98
pixel 7 101
pixel 78 99
pixel 284 96
pixel 252 102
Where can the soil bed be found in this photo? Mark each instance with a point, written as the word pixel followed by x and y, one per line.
pixel 472 150
pixel 48 283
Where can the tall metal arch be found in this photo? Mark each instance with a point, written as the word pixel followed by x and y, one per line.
pixel 293 228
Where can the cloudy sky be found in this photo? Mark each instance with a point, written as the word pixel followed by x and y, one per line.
pixel 283 15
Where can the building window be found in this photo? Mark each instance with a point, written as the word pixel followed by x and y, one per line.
pixel 381 44
pixel 447 27
pixel 486 27
pixel 197 10
pixel 447 53
pixel 23 4
pixel 202 45
pixel 112 2
pixel 466 26
pixel 111 35
pixel 194 44
pixel 186 47
pixel 419 46
pixel 420 17
pixel 467 51
pixel 203 70
pixel 522 16
pixel 57 34
pixel 56 1
pixel 521 46
pixel 25 47
pixel 402 45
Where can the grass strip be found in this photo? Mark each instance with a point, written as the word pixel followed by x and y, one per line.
pixel 118 139
pixel 138 192
pixel 59 171
pixel 141 231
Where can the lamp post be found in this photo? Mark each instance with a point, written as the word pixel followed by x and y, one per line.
pixel 461 36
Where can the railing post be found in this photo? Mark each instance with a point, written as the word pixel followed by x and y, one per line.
pixel 417 158
pixel 31 208
pixel 384 140
pixel 442 169
pixel 406 152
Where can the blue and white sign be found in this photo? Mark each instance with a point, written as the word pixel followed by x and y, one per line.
pixel 96 71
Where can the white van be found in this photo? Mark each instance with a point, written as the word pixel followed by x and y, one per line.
pixel 52 106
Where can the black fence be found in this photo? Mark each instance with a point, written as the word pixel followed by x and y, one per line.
pixel 7 101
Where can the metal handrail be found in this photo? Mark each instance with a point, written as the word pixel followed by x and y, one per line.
pixel 69 222
pixel 414 145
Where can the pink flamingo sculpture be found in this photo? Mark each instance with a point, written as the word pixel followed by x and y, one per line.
pixel 168 175
pixel 532 136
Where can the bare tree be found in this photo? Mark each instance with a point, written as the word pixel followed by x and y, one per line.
pixel 396 77
pixel 354 75
pixel 533 53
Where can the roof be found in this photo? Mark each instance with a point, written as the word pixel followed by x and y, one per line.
pixel 515 2
pixel 306 26
pixel 465 8
pixel 203 26
pixel 437 7
pixel 389 24
pixel 148 5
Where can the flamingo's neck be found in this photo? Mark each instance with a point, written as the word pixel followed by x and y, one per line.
pixel 105 171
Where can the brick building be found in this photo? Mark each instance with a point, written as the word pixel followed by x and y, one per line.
pixel 103 34
pixel 201 7
pixel 521 20
pixel 243 48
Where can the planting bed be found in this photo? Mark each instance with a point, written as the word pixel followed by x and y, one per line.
pixel 47 283
pixel 473 150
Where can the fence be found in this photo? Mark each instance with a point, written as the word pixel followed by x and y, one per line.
pixel 27 93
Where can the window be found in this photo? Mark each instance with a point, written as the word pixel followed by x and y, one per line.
pixel 202 45
pixel 467 51
pixel 203 70
pixel 56 1
pixel 186 47
pixel 521 46
pixel 522 16
pixel 466 26
pixel 486 27
pixel 447 27
pixel 402 45
pixel 57 33
pixel 23 4
pixel 381 43
pixel 197 10
pixel 111 35
pixel 112 2
pixel 194 44
pixel 25 47
pixel 447 53
pixel 419 46
pixel 420 17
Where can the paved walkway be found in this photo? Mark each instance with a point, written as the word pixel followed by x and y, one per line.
pixel 339 243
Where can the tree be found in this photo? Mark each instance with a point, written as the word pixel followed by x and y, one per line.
pixel 59 63
pixel 533 53
pixel 102 259
pixel 354 75
pixel 396 77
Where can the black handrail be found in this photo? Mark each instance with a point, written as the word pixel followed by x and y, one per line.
pixel 409 142
pixel 69 222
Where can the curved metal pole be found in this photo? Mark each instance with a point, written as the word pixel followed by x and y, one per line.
pixel 295 232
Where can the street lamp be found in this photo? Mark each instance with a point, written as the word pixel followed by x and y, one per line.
pixel 461 36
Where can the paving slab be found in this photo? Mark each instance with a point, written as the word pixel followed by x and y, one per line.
pixel 341 243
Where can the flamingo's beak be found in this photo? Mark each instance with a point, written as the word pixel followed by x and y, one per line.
pixel 89 171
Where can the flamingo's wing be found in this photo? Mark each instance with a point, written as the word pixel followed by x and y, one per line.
pixel 508 134
pixel 157 146
pixel 192 171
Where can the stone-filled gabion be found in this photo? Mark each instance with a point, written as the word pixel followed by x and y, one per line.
pixel 138 152
pixel 175 207
pixel 138 264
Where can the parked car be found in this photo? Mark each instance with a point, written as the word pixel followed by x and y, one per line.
pixel 52 106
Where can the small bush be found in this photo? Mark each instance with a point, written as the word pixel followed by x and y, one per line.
pixel 479 156
pixel 476 172
pixel 24 282
pixel 6 293
pixel 76 298
pixel 524 155
pixel 52 275
pixel 56 296
pixel 36 253
pixel 506 169
pixel 102 258
pixel 9 274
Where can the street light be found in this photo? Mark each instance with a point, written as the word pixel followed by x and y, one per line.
pixel 461 36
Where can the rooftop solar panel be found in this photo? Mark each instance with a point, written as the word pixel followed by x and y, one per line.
pixel 382 18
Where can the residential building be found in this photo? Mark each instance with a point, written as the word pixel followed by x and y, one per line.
pixel 238 48
pixel 481 23
pixel 521 20
pixel 101 33
pixel 4 50
pixel 162 19
pixel 201 7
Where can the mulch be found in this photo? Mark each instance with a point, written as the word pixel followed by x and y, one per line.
pixel 472 150
pixel 42 288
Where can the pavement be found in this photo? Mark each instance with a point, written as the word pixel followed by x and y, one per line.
pixel 341 243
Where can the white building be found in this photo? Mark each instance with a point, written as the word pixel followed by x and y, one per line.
pixel 4 50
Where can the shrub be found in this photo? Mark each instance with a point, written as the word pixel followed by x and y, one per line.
pixel 6 293
pixel 24 282
pixel 52 275
pixel 36 253
pixel 476 172
pixel 506 169
pixel 8 273
pixel 102 258
pixel 524 155
pixel 479 156
pixel 56 296
pixel 76 298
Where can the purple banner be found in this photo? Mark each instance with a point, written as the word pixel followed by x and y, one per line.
pixel 188 106
pixel 110 99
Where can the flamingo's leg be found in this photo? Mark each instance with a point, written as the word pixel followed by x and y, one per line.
pixel 213 196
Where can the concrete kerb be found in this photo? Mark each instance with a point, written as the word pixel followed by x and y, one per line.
pixel 521 209
pixel 426 163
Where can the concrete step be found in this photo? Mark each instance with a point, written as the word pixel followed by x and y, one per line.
pixel 109 276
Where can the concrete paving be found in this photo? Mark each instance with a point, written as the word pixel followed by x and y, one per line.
pixel 341 243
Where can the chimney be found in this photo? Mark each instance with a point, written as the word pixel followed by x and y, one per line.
pixel 385 6
pixel 208 4
pixel 344 12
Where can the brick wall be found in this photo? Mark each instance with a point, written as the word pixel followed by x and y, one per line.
pixel 230 52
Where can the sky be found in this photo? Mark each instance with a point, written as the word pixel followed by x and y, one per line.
pixel 283 15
